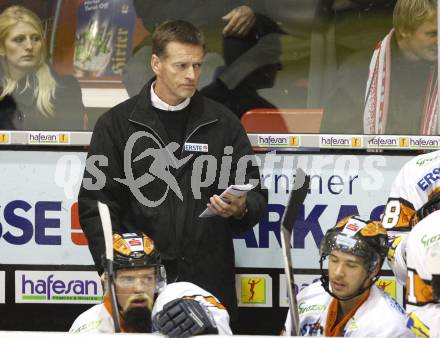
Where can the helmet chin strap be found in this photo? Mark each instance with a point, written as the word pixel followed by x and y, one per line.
pixel 325 281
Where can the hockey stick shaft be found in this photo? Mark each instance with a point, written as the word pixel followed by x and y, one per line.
pixel 297 197
pixel 104 214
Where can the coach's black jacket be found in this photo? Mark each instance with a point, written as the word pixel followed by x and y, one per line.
pixel 198 250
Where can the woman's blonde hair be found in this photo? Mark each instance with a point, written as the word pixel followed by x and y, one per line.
pixel 408 15
pixel 44 90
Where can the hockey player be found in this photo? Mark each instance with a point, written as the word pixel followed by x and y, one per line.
pixel 180 309
pixel 347 302
pixel 423 280
pixel 417 182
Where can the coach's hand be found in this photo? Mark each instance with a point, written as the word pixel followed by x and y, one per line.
pixel 228 205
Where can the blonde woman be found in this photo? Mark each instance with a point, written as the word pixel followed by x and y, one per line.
pixel 45 100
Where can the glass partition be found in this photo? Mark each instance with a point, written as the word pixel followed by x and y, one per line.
pixel 318 66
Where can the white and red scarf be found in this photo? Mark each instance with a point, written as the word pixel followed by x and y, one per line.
pixel 378 92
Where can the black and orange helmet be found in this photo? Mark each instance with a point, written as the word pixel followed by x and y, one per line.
pixel 352 235
pixel 137 250
pixel 132 250
pixel 367 239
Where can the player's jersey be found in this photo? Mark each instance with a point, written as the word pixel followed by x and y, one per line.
pixel 411 189
pixel 424 313
pixel 191 291
pixel 97 319
pixel 425 321
pixel 378 316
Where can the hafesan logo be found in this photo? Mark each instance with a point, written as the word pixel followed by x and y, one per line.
pixel 68 287
pixel 46 137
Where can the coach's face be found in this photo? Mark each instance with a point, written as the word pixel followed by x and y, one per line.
pixel 178 71
pixel 421 44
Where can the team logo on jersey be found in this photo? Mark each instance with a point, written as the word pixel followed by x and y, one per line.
pixel 427 241
pixel 417 326
pixel 311 329
pixel 392 245
pixel 351 325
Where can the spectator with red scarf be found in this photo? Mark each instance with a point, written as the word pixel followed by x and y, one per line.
pixel 397 93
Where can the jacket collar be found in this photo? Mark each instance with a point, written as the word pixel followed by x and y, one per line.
pixel 144 114
pixel 158 103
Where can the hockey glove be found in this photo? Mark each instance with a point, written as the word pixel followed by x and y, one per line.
pixel 182 318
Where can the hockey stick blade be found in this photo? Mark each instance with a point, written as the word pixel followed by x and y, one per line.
pixel 297 197
pixel 104 214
